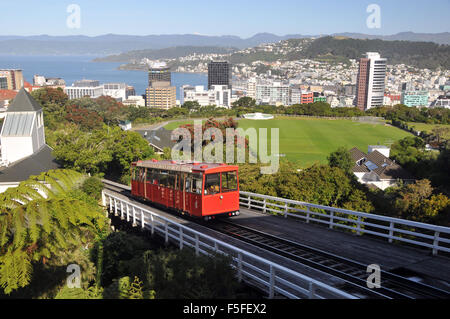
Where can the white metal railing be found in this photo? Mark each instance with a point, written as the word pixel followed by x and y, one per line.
pixel 250 268
pixel 434 237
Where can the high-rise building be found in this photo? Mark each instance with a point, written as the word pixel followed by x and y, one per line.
pixel 370 84
pixel 159 72
pixel 219 73
pixel 3 83
pixel 14 78
pixel 161 95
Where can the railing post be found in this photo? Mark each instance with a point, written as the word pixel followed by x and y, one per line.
pixel 216 247
pixel 121 209
pixel 285 210
pixel 110 205
pixel 391 232
pixel 358 227
pixel 142 219
pixel 272 283
pixel 166 230
pixel 312 291
pixel 134 217
pixel 128 213
pixel 115 207
pixel 197 251
pixel 265 206
pixel 239 266
pixel 436 243
pixel 308 213
pixel 249 201
pixel 152 224
pixel 331 219
pixel 181 238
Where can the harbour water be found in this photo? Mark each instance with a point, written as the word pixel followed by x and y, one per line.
pixel 73 68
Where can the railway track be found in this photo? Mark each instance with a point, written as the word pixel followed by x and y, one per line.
pixel 352 273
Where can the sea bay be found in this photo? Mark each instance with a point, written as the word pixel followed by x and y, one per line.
pixel 73 68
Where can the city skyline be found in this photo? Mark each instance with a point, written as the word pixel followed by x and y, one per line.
pixel 244 19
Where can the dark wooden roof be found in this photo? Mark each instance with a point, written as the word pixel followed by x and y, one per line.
pixel 35 164
pixel 381 165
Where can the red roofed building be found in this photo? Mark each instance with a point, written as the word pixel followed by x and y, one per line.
pixel 6 96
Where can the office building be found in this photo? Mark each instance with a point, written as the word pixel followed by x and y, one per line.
pixel 83 88
pixel 219 95
pixel 415 98
pixel 161 95
pixel 159 72
pixel 219 73
pixel 118 91
pixel 371 81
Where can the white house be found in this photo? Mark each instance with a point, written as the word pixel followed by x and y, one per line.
pixel 376 168
pixel 23 149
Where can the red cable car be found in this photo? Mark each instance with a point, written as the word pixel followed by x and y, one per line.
pixel 198 189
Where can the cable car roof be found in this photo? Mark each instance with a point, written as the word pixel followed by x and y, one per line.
pixel 187 166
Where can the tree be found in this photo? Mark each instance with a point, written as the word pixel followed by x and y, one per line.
pixel 341 158
pixel 41 221
pixel 191 105
pixel 244 102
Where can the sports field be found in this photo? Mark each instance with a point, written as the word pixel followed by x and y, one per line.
pixel 307 141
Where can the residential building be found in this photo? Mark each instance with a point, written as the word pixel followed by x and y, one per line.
pixel 219 73
pixel 222 95
pixel 251 88
pixel 134 100
pixel 197 93
pixel 158 139
pixel 307 98
pixel 415 98
pixel 79 89
pixel 218 95
pixel 161 95
pixel 39 80
pixel 371 81
pixel 442 101
pixel 376 169
pixel 275 93
pixel 14 78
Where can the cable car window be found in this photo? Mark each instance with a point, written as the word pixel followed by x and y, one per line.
pixel 164 178
pixel 229 182
pixel 212 184
pixel 197 184
pixel 170 181
pixel 133 173
pixel 188 184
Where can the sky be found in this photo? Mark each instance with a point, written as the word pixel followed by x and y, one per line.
pixel 243 18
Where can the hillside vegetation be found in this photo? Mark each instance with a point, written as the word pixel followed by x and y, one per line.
pixel 419 54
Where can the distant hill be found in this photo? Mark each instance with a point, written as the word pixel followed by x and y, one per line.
pixel 115 44
pixel 167 53
pixel 419 54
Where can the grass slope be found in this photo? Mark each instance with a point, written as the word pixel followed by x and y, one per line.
pixel 308 141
